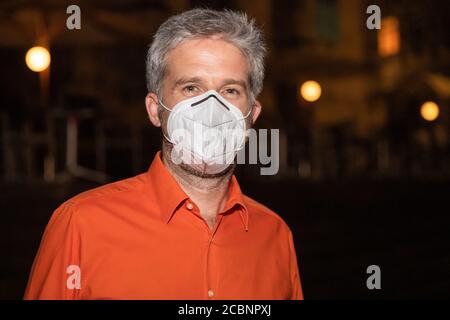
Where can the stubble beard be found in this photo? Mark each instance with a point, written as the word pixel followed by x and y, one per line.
pixel 188 175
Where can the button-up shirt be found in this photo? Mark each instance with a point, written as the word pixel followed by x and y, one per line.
pixel 144 238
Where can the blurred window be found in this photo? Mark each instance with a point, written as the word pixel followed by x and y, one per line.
pixel 327 20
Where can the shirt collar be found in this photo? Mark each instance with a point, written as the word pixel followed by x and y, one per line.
pixel 170 195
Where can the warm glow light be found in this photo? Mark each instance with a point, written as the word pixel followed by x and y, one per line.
pixel 389 37
pixel 37 59
pixel 429 111
pixel 310 91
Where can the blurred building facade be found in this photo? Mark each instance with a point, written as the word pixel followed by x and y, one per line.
pixel 367 122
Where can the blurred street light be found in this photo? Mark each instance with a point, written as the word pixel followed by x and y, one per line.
pixel 310 91
pixel 37 59
pixel 429 111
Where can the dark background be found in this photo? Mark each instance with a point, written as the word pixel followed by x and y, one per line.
pixel 363 180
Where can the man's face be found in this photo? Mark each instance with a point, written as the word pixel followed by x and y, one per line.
pixel 199 65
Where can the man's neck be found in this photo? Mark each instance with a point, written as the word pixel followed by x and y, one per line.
pixel 209 194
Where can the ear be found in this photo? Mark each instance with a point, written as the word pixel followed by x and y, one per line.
pixel 256 110
pixel 151 104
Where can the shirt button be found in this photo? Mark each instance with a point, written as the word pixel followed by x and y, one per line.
pixel 189 206
pixel 210 293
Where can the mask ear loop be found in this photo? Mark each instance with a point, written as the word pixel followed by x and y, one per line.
pixel 162 105
pixel 162 130
pixel 245 133
pixel 249 112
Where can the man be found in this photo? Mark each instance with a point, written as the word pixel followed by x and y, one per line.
pixel 182 230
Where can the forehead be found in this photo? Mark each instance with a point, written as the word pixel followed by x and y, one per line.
pixel 208 58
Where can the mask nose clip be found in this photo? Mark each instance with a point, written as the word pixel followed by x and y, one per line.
pixel 210 96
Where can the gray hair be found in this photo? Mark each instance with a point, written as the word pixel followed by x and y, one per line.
pixel 231 26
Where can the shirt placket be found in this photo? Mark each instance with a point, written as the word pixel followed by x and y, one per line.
pixel 210 280
pixel 211 274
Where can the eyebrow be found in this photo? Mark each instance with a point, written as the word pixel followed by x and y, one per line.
pixel 182 80
pixel 241 83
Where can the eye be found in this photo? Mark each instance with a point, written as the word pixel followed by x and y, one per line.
pixel 231 91
pixel 190 89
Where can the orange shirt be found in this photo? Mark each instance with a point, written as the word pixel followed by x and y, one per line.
pixel 143 238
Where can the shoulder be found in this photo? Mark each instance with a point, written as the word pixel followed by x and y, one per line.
pixel 261 214
pixel 106 195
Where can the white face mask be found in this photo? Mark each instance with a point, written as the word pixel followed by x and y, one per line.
pixel 206 131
